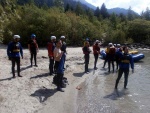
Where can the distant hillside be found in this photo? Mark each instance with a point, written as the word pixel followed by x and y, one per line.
pixel 87 4
pixel 120 10
pixel 73 4
pixel 116 10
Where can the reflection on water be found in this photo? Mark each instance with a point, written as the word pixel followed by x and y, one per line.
pixel 98 94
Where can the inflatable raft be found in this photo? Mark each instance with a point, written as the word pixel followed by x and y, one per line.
pixel 136 57
pixel 133 52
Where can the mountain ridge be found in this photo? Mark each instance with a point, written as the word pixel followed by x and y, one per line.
pixel 116 10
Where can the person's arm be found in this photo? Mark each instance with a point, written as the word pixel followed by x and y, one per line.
pixel 50 53
pixel 37 47
pixel 9 50
pixel 29 47
pixel 21 51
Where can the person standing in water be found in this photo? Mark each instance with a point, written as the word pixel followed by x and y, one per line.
pixel 126 60
pixel 33 48
pixel 86 52
pixel 14 50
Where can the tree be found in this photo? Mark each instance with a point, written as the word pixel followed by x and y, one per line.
pixel 122 17
pixel 103 11
pixel 58 3
pixel 79 9
pixel 97 12
pixel 130 15
pixel 113 20
pixel 147 14
pixel 90 14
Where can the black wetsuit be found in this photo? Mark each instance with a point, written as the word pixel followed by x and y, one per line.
pixel 126 59
pixel 33 50
pixel 13 51
pixel 86 52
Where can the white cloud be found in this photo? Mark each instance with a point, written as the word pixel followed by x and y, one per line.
pixel 136 5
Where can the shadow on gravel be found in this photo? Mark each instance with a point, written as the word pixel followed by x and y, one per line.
pixel 117 94
pixel 6 79
pixel 43 94
pixel 81 73
pixel 78 74
pixel 24 68
pixel 40 76
pixel 80 63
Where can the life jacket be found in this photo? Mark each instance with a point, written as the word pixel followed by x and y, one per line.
pixel 33 44
pixel 112 51
pixel 86 50
pixel 125 59
pixel 50 47
pixel 95 49
pixel 15 47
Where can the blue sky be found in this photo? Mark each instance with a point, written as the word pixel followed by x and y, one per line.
pixel 136 5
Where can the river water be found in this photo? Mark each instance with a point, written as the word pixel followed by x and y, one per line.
pixel 98 95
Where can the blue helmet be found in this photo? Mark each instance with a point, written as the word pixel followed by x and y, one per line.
pixel 33 36
pixel 87 39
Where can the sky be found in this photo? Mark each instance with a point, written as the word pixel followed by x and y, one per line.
pixel 136 5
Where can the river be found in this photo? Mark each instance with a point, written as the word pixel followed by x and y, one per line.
pixel 98 95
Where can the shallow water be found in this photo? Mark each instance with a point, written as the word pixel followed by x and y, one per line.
pixel 98 95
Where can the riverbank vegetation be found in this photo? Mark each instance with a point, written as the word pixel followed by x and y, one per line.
pixel 76 22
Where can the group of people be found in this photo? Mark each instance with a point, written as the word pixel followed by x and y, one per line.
pixel 56 53
pixel 115 52
pixel 86 51
pixel 57 56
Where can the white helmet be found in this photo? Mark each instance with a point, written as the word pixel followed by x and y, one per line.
pixel 53 37
pixel 97 41
pixel 62 37
pixel 110 44
pixel 16 36
pixel 118 44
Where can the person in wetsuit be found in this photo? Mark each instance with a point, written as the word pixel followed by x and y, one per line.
pixel 51 47
pixel 111 56
pixel 106 58
pixel 14 50
pixel 60 73
pixel 126 60
pixel 86 51
pixel 63 48
pixel 33 48
pixel 96 52
pixel 117 58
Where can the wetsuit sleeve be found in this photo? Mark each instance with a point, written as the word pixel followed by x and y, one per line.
pixel 50 50
pixel 131 62
pixel 9 50
pixel 21 51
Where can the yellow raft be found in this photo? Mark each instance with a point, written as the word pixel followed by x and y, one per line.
pixel 133 52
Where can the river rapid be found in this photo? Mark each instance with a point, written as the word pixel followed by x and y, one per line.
pixel 98 95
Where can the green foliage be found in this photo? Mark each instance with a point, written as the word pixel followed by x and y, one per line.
pixel 139 30
pixel 37 16
pixel 119 37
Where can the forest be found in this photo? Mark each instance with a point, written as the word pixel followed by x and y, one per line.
pixel 71 19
